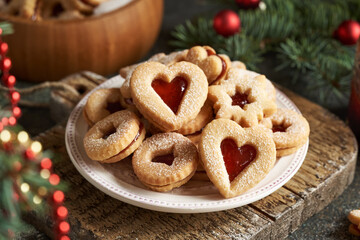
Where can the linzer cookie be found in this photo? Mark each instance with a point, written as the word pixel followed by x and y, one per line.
pixel 204 117
pixel 165 161
pixel 236 73
pixel 242 100
pixel 215 66
pixel 235 158
pixel 114 137
pixel 171 96
pixel 102 103
pixel 290 131
pixel 238 64
pixel 126 73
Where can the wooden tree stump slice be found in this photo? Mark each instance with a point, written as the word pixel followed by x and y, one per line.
pixel 327 170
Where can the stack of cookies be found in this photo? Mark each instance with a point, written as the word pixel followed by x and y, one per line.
pixel 192 114
pixel 37 10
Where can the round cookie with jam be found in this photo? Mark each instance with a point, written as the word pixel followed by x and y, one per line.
pixel 114 137
pixel 165 161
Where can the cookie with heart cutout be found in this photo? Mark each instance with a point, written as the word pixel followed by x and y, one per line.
pixel 168 96
pixel 205 115
pixel 101 103
pixel 165 161
pixel 126 73
pixel 115 137
pixel 242 100
pixel 235 158
pixel 215 66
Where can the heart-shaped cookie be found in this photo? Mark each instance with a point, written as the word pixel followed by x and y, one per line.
pixel 235 158
pixel 215 66
pixel 170 96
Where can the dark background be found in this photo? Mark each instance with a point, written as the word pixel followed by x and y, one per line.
pixel 330 223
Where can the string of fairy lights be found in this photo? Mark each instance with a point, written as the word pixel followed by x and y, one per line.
pixel 31 151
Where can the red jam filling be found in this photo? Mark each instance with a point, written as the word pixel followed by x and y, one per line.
pixel 210 52
pixel 223 71
pixel 109 132
pixel 236 158
pixel 240 99
pixel 167 159
pixel 223 63
pixel 278 128
pixel 135 138
pixel 113 107
pixel 171 93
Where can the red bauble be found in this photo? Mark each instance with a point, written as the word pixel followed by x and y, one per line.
pixel 348 32
pixel 226 23
pixel 248 4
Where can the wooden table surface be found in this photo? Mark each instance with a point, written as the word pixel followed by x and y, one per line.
pixel 330 163
pixel 327 170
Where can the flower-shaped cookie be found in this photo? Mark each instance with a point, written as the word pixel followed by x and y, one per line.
pixel 169 97
pixel 215 66
pixel 238 72
pixel 235 158
pixel 242 100
pixel 290 130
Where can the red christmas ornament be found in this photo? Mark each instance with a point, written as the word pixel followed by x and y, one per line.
pixel 248 4
pixel 226 23
pixel 348 32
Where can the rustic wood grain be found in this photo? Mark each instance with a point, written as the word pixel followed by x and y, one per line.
pixel 49 50
pixel 327 170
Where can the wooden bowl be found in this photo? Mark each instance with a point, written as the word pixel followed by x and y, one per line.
pixel 50 50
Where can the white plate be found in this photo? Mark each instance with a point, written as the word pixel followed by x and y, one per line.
pixel 119 181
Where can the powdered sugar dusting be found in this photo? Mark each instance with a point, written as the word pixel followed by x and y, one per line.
pixel 150 103
pixel 212 159
pixel 152 173
pixel 297 128
pixel 127 126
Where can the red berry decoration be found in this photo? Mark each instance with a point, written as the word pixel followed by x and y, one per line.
pixel 226 23
pixel 248 4
pixel 348 32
